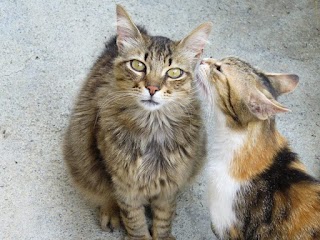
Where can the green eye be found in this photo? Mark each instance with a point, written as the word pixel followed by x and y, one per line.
pixel 174 73
pixel 137 65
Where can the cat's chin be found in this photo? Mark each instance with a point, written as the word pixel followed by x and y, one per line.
pixel 150 105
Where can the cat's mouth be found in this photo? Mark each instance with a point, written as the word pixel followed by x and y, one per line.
pixel 150 102
pixel 213 68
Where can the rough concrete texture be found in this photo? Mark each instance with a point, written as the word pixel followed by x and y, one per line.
pixel 48 47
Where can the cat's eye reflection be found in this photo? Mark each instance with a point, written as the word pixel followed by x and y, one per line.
pixel 175 73
pixel 137 65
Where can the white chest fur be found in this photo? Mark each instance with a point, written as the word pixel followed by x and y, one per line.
pixel 222 188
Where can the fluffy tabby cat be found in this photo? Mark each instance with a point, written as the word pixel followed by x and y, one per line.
pixel 136 135
pixel 258 188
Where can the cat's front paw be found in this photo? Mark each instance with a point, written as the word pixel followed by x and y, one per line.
pixel 171 237
pixel 135 238
pixel 110 217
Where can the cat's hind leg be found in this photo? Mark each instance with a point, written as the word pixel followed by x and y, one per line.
pixel 110 215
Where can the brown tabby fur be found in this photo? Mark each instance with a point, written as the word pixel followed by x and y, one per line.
pixel 274 197
pixel 123 153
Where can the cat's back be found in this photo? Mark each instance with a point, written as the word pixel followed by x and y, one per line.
pixel 282 203
pixel 81 132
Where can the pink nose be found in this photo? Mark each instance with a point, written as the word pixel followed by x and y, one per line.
pixel 152 89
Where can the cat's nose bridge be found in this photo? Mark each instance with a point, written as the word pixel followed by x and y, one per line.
pixel 153 82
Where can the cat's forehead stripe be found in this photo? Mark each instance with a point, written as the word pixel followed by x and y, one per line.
pixel 146 56
pixel 248 68
pixel 160 47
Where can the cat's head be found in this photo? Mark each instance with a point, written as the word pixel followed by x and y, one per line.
pixel 155 71
pixel 243 93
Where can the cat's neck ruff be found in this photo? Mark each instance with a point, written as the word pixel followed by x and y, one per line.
pixel 226 140
pixel 223 188
pixel 158 125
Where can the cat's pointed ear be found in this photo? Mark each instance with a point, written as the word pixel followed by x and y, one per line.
pixel 195 42
pixel 262 107
pixel 283 83
pixel 128 35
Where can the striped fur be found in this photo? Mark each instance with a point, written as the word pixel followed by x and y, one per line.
pixel 258 188
pixel 126 148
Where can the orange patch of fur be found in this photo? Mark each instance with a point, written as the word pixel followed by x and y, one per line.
pixel 234 233
pixel 305 211
pixel 257 153
pixel 298 166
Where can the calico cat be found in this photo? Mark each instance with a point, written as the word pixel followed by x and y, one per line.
pixel 258 188
pixel 136 135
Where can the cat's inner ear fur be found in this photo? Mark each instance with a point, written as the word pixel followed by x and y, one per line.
pixel 194 43
pixel 263 107
pixel 128 35
pixel 283 83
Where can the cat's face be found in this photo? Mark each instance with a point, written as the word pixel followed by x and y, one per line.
pixel 243 93
pixel 156 71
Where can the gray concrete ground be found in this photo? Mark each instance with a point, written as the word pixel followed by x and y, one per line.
pixel 48 47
